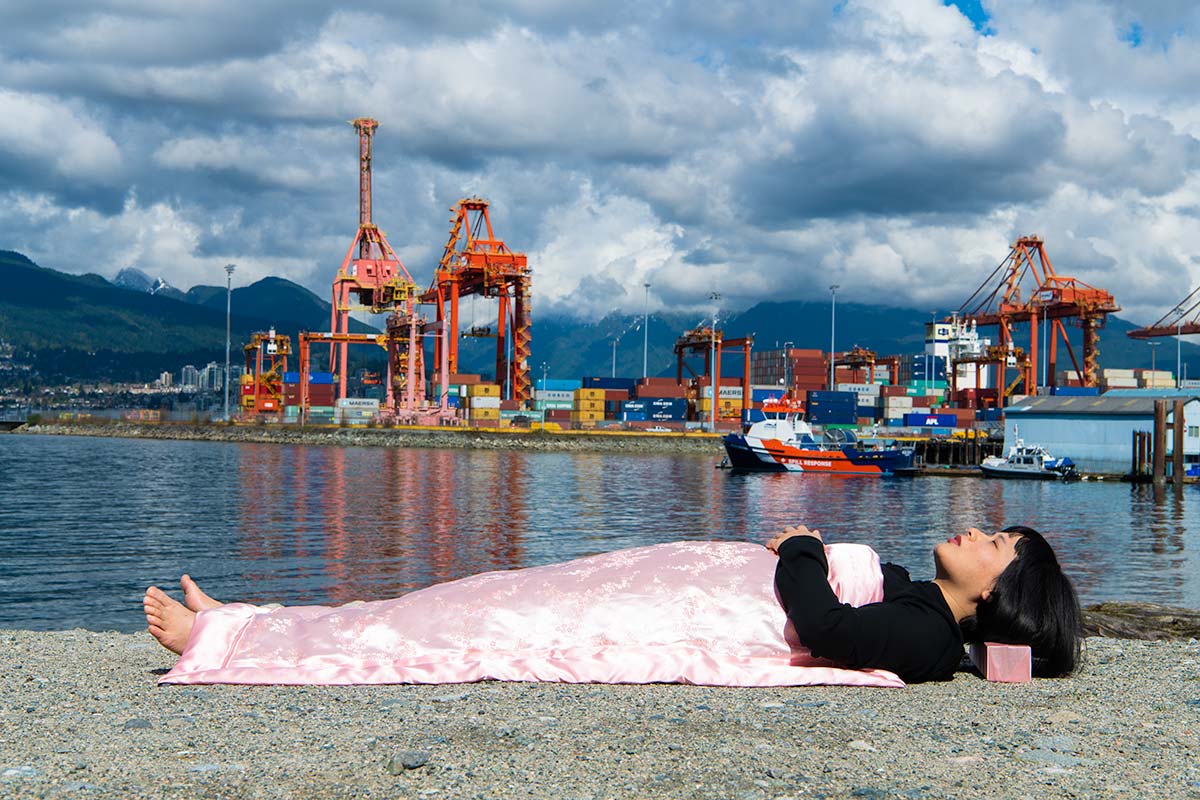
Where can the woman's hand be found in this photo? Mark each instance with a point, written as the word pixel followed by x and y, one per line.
pixel 788 533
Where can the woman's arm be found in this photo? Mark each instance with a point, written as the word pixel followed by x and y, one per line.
pixel 904 637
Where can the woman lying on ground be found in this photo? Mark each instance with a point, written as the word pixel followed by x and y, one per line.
pixel 696 612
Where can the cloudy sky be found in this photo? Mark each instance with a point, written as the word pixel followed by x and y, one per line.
pixel 760 149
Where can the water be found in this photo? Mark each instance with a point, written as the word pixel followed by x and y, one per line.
pixel 86 524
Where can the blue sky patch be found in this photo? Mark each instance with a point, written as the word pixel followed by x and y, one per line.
pixel 974 11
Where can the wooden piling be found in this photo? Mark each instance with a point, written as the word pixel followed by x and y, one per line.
pixel 1160 441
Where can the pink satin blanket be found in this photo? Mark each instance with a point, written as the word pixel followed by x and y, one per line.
pixel 703 613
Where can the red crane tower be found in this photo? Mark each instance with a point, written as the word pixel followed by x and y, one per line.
pixel 373 276
pixel 1000 301
pixel 713 342
pixel 475 262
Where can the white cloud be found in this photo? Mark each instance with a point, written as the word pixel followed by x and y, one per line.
pixel 56 134
pixel 700 146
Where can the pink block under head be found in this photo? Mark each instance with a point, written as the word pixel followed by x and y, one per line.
pixel 1003 663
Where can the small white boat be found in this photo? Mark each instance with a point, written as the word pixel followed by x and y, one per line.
pixel 1028 461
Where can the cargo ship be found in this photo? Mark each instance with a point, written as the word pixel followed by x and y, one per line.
pixel 785 442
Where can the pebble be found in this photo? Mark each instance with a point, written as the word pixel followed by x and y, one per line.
pixel 19 772
pixel 137 724
pixel 406 760
pixel 859 744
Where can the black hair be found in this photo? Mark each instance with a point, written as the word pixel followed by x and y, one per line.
pixel 1033 603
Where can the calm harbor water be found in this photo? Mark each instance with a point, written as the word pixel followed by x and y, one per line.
pixel 86 524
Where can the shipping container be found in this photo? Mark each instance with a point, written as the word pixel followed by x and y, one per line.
pixel 588 394
pixel 1075 391
pixel 557 385
pixel 482 401
pixel 357 402
pixel 625 384
pixel 589 405
pixel 930 420
pixel 320 378
pixel 483 390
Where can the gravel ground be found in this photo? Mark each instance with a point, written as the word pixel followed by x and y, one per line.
pixel 80 715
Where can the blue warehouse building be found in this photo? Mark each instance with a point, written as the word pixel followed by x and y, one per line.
pixel 1097 432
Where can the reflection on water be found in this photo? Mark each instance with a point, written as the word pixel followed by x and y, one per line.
pixel 85 524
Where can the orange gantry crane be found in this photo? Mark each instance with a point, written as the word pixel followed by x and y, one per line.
pixel 712 341
pixel 476 262
pixel 372 278
pixel 262 382
pixel 1186 320
pixel 1002 302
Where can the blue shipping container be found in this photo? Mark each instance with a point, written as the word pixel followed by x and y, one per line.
pixel 989 414
pixel 322 378
pixel 558 385
pixel 752 415
pixel 634 406
pixel 763 395
pixel 818 396
pixel 930 420
pixel 633 416
pixel 291 377
pixel 610 383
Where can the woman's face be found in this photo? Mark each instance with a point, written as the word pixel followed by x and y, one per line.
pixel 976 559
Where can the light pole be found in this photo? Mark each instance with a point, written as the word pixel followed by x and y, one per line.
pixel 1179 348
pixel 616 339
pixel 645 329
pixel 833 287
pixel 229 268
pixel 1152 370
pixel 545 367
pixel 712 366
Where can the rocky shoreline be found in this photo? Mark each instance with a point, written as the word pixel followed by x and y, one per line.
pixel 80 714
pixel 440 438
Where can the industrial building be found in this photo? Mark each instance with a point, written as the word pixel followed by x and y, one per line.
pixel 1097 432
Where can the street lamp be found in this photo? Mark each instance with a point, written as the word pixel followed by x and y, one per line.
pixel 1179 347
pixel 616 341
pixel 1152 370
pixel 645 329
pixel 229 268
pixel 832 317
pixel 545 367
pixel 712 366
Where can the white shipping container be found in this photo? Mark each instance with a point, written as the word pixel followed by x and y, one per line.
pixel 919 410
pixel 358 402
pixel 859 388
pixel 727 392
pixel 868 400
pixel 483 402
pixel 898 402
pixel 1118 373
pixel 554 395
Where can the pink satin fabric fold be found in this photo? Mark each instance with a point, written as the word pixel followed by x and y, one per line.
pixel 703 613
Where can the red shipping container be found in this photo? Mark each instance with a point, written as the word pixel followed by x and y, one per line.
pixel 510 405
pixel 615 395
pixel 463 378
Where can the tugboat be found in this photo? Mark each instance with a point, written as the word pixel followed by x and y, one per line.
pixel 785 442
pixel 1030 462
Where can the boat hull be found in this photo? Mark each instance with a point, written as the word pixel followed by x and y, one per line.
pixel 750 454
pixel 1020 474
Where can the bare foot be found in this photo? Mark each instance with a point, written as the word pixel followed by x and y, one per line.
pixel 194 598
pixel 169 620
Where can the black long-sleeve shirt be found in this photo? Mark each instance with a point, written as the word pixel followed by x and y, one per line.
pixel 912 632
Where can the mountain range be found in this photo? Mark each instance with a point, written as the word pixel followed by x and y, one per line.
pixel 73 328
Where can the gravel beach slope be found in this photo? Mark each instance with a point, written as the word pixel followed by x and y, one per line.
pixel 80 715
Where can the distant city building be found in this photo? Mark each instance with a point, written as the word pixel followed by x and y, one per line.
pixel 211 377
pixel 189 378
pixel 165 380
